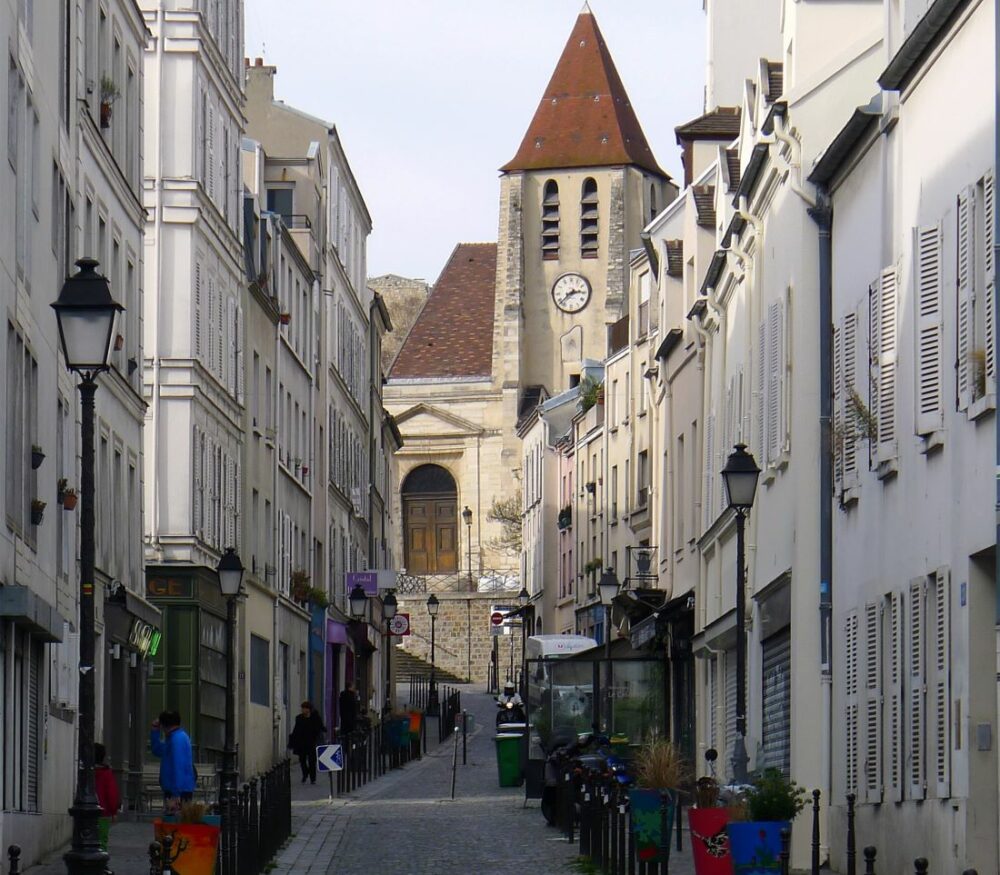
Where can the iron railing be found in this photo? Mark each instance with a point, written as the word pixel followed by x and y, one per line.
pixel 491 580
pixel 451 707
pixel 370 753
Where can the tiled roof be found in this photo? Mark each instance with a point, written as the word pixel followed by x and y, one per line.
pixel 453 335
pixel 775 80
pixel 675 257
pixel 722 123
pixel 704 203
pixel 585 118
pixel 733 165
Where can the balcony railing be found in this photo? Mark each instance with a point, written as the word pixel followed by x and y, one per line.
pixel 493 580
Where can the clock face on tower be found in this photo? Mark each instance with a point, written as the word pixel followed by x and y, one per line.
pixel 571 292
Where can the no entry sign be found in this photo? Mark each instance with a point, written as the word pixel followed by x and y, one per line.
pixel 496 618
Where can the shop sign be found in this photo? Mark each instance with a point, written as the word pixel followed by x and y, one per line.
pixel 367 580
pixel 170 587
pixel 144 638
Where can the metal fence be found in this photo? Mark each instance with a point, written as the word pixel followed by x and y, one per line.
pixel 499 581
pixel 451 707
pixel 370 753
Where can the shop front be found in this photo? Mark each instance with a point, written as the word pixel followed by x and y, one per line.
pixel 189 667
pixel 339 668
pixel 133 637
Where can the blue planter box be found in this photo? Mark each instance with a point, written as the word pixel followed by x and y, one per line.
pixel 755 846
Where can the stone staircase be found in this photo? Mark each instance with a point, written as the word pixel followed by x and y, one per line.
pixel 406 664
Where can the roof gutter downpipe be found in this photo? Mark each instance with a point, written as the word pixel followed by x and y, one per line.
pixel 794 160
pixel 996 295
pixel 822 215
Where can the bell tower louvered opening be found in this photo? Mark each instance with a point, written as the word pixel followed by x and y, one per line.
pixel 550 221
pixel 588 219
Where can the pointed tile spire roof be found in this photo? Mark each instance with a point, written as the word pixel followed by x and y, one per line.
pixel 585 118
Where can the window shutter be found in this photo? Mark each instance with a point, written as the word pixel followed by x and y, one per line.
pixel 874 296
pixel 712 667
pixel 762 394
pixel 989 217
pixel 706 499
pixel 213 339
pixel 775 385
pixel 224 329
pixel 917 773
pixel 839 407
pixel 210 158
pixel 197 492
pixel 851 703
pixel 894 734
pixel 942 683
pixel 848 391
pixel 873 704
pixel 930 373
pixel 34 752
pixel 966 315
pixel 887 365
pixel 198 349
pixel 238 484
pixel 229 359
pixel 240 376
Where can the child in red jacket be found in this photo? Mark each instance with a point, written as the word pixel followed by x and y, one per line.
pixel 105 784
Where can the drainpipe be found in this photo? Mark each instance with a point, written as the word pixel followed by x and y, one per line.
pixel 822 215
pixel 794 160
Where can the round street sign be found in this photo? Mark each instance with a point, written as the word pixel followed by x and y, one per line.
pixel 496 618
pixel 400 624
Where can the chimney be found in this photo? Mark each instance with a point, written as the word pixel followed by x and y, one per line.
pixel 260 80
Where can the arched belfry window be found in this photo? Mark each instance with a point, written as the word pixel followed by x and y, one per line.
pixel 550 221
pixel 430 521
pixel 588 219
pixel 652 202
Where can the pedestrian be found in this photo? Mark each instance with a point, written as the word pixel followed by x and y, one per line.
pixel 108 795
pixel 177 775
pixel 306 734
pixel 348 702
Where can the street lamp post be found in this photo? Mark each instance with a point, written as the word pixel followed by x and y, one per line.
pixel 608 587
pixel 358 601
pixel 389 607
pixel 467 516
pixel 432 694
pixel 740 476
pixel 85 312
pixel 230 572
pixel 522 600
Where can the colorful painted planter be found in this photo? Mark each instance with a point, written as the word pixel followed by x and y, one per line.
pixel 652 816
pixel 710 841
pixel 195 844
pixel 414 727
pixel 756 846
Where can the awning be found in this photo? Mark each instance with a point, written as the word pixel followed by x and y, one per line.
pixel 336 633
pixel 26 608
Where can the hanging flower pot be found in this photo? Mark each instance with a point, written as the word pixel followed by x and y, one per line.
pixel 109 94
pixel 285 318
pixel 70 499
pixel 105 115
pixel 37 511
pixel 37 457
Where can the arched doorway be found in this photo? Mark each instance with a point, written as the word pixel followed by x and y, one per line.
pixel 430 521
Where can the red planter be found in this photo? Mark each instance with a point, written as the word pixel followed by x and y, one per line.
pixel 710 841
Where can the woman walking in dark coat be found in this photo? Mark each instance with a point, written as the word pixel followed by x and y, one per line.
pixel 305 736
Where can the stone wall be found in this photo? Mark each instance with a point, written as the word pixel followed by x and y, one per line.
pixel 463 643
pixel 404 299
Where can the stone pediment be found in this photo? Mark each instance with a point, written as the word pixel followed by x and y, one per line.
pixel 428 420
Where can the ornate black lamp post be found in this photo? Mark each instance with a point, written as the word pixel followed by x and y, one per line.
pixel 522 600
pixel 432 693
pixel 230 572
pixel 467 516
pixel 740 476
pixel 358 601
pixel 86 314
pixel 608 587
pixel 389 607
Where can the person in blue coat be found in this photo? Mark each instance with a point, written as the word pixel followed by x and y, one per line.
pixel 173 747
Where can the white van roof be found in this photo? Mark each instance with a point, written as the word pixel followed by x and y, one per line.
pixel 554 646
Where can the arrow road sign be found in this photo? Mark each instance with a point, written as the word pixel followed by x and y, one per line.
pixel 329 757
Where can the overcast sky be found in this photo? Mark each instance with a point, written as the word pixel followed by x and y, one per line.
pixel 431 96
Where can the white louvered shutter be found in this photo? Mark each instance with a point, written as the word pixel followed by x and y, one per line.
pixel 849 391
pixel 874 296
pixel 916 692
pixel 210 153
pixel 851 703
pixel 713 700
pixel 872 770
pixel 197 492
pixel 229 360
pixel 965 339
pixel 240 364
pixel 775 381
pixel 928 246
pixel 989 217
pixel 223 330
pixel 707 503
pixel 212 329
pixel 730 693
pixel 839 406
pixel 237 532
pixel 894 702
pixel 762 394
pixel 887 365
pixel 198 305
pixel 941 684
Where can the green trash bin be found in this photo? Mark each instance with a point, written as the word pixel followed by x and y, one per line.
pixel 509 759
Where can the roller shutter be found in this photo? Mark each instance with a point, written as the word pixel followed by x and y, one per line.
pixel 776 729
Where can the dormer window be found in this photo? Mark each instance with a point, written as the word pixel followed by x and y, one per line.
pixel 550 221
pixel 588 219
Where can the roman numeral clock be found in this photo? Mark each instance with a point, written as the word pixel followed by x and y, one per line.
pixel 571 292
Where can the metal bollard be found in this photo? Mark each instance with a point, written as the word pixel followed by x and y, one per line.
pixel 155 861
pixel 14 855
pixel 869 854
pixel 851 852
pixel 167 867
pixel 815 835
pixel 786 841
pixel 920 866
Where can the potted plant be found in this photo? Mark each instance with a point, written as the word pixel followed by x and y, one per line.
pixel 195 838
pixel 565 519
pixel 708 820
pixel 37 510
pixel 109 94
pixel 660 769
pixel 300 585
pixel 285 318
pixel 69 499
pixel 317 597
pixel 771 805
pixel 37 457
